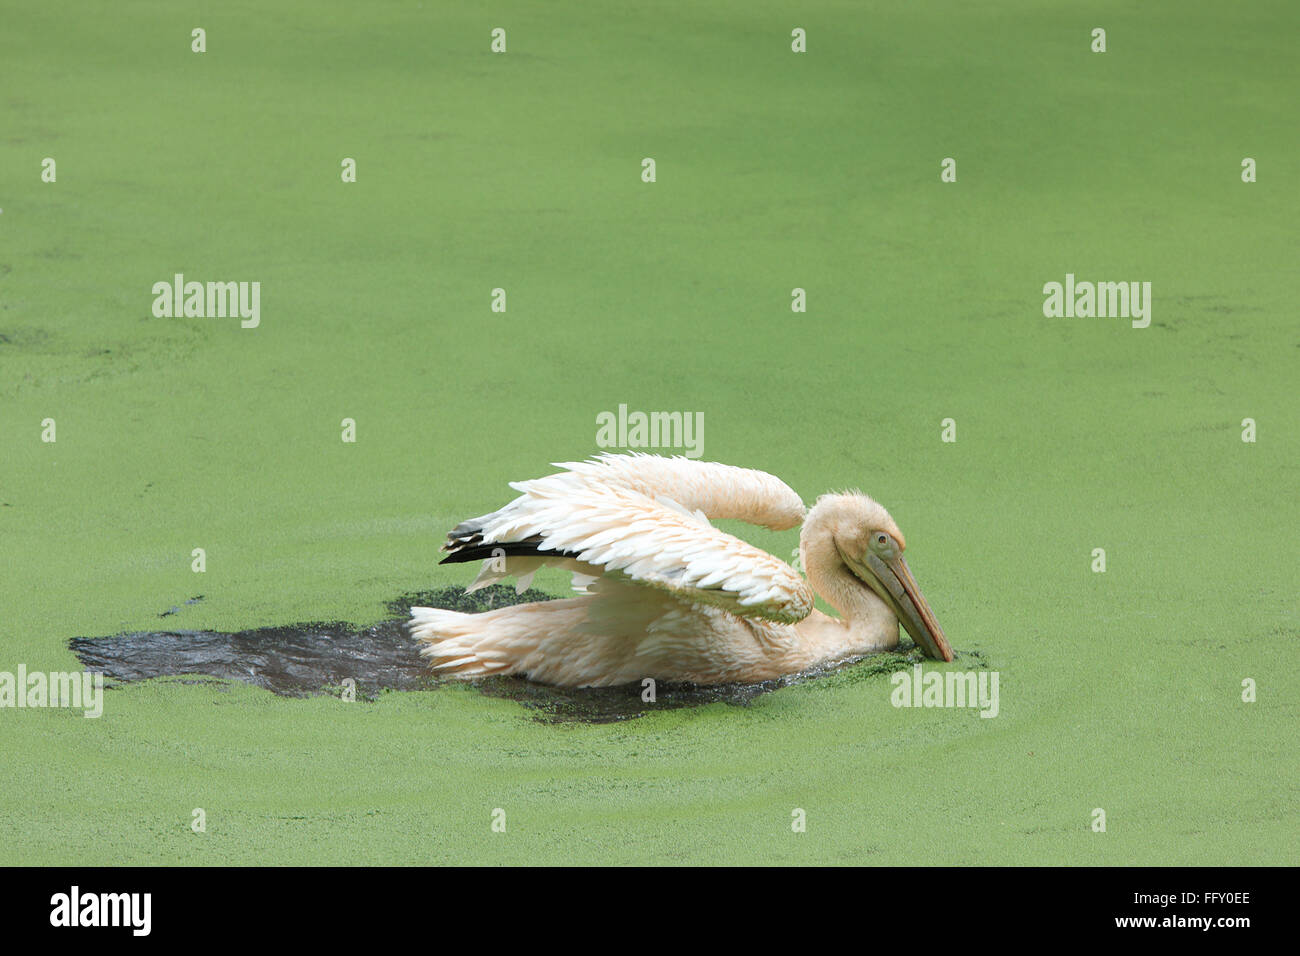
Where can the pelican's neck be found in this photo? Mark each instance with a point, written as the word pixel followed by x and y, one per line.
pixel 866 623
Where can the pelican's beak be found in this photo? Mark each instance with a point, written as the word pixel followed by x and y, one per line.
pixel 903 595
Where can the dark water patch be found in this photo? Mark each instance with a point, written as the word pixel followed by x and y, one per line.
pixel 295 660
pixel 300 660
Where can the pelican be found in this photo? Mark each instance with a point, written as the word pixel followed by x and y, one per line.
pixel 664 594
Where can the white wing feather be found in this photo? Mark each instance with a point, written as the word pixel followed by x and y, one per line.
pixel 645 519
pixel 718 491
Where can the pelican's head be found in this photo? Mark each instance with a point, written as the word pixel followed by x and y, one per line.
pixel 870 546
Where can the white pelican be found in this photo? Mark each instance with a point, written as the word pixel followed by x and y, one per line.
pixel 666 595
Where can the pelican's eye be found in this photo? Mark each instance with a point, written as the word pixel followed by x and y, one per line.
pixel 883 544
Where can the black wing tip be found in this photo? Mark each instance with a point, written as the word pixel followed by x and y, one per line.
pixel 483 552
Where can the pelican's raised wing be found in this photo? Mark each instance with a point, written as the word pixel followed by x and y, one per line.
pixel 716 490
pixel 625 516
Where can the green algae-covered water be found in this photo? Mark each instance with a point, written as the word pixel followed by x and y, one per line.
pixel 1119 690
